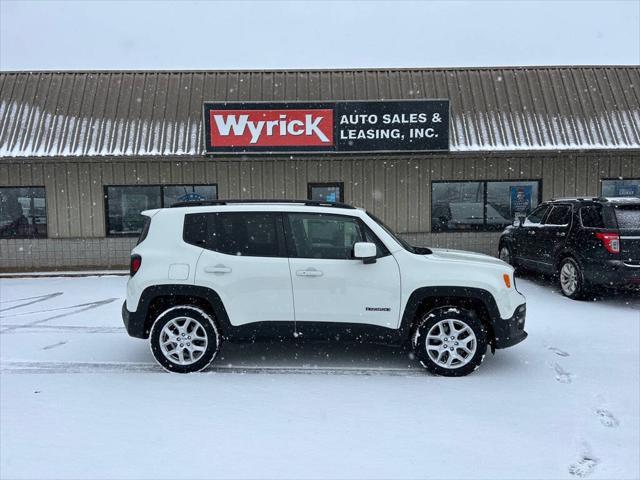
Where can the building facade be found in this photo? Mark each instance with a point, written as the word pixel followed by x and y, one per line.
pixel 82 153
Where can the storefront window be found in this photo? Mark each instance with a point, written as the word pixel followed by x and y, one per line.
pixel 326 192
pixel 125 203
pixel 481 205
pixel 23 212
pixel 457 206
pixel 621 188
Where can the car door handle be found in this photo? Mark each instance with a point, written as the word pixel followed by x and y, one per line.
pixel 560 234
pixel 531 232
pixel 217 269
pixel 309 272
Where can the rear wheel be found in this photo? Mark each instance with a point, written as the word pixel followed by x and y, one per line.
pixel 571 279
pixel 184 339
pixel 450 341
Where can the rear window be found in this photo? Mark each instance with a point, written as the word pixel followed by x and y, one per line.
pixel 145 230
pixel 628 217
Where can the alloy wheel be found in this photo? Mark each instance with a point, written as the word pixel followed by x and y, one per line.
pixel 569 278
pixel 183 340
pixel 505 255
pixel 451 343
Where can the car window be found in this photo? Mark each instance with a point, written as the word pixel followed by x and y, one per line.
pixel 537 215
pixel 252 234
pixel 195 229
pixel 317 235
pixel 591 217
pixel 559 215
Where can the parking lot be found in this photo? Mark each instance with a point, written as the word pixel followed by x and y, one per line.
pixel 81 399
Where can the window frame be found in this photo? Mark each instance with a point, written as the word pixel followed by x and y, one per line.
pixel 46 213
pixel 594 206
pixel 553 207
pixel 292 251
pixel 602 180
pixel 105 198
pixel 312 185
pixel 547 206
pixel 483 227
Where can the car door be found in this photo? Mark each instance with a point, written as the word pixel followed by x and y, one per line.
pixel 526 237
pixel 552 236
pixel 244 260
pixel 329 285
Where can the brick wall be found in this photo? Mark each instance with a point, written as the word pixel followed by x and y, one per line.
pixel 65 254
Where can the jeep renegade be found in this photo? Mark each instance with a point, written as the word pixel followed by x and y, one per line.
pixel 207 272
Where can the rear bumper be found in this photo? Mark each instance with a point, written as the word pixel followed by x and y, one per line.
pixel 612 273
pixel 133 322
pixel 511 331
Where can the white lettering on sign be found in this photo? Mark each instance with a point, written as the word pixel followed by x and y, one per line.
pixel 238 124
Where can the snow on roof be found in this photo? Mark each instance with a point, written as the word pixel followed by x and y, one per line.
pixel 85 114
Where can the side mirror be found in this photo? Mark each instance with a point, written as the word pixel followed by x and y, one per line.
pixel 518 222
pixel 366 251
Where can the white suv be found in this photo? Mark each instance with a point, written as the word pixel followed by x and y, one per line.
pixel 238 271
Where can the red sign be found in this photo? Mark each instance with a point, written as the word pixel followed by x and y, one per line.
pixel 271 128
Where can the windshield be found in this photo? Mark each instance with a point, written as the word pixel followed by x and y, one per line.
pixel 404 243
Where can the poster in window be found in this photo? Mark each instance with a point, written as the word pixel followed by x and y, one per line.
pixel 520 200
pixel 191 197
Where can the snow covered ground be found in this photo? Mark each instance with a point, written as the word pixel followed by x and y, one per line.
pixel 80 399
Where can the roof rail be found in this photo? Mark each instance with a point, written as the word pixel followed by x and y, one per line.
pixel 580 199
pixel 308 203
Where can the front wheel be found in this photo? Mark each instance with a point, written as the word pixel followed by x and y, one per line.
pixel 506 255
pixel 184 339
pixel 450 341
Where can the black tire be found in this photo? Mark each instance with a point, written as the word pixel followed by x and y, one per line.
pixel 200 324
pixel 580 291
pixel 460 317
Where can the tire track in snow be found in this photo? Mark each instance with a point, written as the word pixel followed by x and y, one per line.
pixel 59 344
pixel 82 307
pixel 37 299
pixel 26 367
pixel 19 328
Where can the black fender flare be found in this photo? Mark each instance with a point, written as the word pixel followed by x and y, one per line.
pixel 562 254
pixel 150 294
pixel 421 295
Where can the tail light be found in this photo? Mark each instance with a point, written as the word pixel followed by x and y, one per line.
pixel 136 262
pixel 611 241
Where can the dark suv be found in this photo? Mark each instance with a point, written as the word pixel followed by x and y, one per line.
pixel 586 242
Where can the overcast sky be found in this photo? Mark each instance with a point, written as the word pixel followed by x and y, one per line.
pixel 70 35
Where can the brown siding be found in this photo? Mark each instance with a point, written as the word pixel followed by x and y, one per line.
pixel 398 189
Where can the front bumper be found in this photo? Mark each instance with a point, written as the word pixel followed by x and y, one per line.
pixel 612 273
pixel 511 331
pixel 133 322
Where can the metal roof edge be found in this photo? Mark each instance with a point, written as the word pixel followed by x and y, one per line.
pixel 325 70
